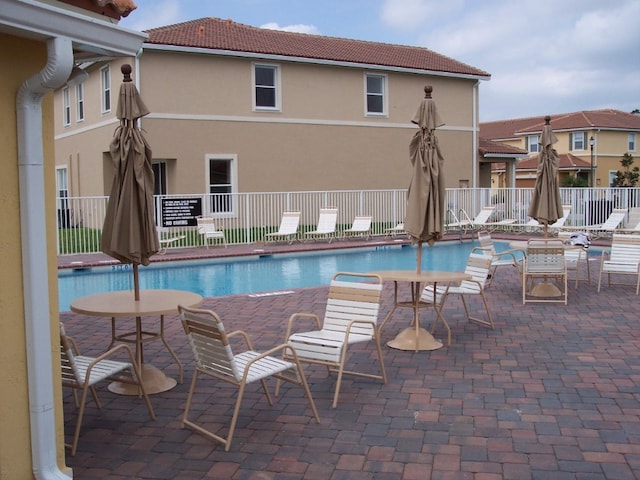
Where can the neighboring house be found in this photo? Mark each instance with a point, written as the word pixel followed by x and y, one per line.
pixel 40 43
pixel 527 168
pixel 498 155
pixel 586 139
pixel 236 108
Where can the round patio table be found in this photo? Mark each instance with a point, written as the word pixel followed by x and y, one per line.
pixel 122 304
pixel 417 338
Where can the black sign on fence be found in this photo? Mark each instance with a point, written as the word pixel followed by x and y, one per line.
pixel 181 212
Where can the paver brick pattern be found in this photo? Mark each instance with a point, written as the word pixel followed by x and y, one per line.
pixel 552 393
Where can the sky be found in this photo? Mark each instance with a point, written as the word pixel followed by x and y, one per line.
pixel 545 57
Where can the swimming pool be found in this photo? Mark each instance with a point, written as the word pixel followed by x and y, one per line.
pixel 260 274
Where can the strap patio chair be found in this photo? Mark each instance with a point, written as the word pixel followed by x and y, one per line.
pixel 544 261
pixel 288 229
pixel 215 358
pixel 623 258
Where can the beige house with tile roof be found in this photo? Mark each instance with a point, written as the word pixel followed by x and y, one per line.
pixel 586 139
pixel 236 108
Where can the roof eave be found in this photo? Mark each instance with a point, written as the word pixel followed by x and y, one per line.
pixel 92 36
pixel 282 58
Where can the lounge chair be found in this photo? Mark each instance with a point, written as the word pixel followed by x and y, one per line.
pixel 207 228
pixel 544 261
pixel 622 259
pixel 350 317
pixel 607 228
pixel 288 228
pixel 478 266
pixel 326 225
pixel 361 227
pixel 533 225
pixel 214 357
pixel 166 239
pixel 463 222
pixel 83 373
pixel 505 258
pixel 397 230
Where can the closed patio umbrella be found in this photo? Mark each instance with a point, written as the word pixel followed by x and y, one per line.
pixel 129 232
pixel 546 204
pixel 424 221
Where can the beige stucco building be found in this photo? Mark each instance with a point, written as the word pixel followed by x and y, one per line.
pixel 40 43
pixel 590 143
pixel 242 109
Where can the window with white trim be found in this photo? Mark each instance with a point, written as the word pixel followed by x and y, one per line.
pixel 578 141
pixel 66 107
pixel 631 142
pixel 80 102
pixel 375 92
pixel 105 77
pixel 221 174
pixel 532 145
pixel 266 87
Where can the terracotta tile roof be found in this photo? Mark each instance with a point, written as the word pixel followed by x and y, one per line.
pixel 566 162
pixel 218 34
pixel 607 119
pixel 488 148
pixel 109 8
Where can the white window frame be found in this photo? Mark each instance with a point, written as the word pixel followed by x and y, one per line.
pixel 384 94
pixel 232 158
pixel 631 142
pixel 277 87
pixel 575 144
pixel 105 89
pixel 80 102
pixel 66 107
pixel 532 140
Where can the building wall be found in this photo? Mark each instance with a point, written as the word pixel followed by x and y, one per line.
pixel 21 59
pixel 320 140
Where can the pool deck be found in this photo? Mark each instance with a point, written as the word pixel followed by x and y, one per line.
pixel 553 392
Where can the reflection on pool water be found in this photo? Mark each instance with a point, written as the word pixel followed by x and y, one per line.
pixel 255 274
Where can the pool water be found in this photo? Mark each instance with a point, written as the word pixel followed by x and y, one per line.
pixel 260 274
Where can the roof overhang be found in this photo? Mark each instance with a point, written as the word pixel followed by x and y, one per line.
pixel 284 58
pixel 93 38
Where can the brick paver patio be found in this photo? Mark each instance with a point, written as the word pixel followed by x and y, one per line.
pixel 552 393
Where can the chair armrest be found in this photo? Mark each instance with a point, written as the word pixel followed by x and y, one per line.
pixel 244 336
pixel 299 316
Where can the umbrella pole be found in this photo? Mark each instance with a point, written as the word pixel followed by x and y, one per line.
pixel 419 259
pixel 136 283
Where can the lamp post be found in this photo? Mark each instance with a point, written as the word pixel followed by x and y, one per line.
pixel 592 142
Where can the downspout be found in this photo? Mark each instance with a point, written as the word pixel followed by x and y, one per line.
pixel 35 279
pixel 476 97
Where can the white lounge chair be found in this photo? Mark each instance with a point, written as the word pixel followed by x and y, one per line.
pixel 612 222
pixel 533 225
pixel 326 225
pixel 166 239
pixel 622 259
pixel 207 228
pixel 361 227
pixel 288 228
pixel 462 221
pixel 397 230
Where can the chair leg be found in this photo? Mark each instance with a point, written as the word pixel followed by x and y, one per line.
pixel 76 433
pixel 187 406
pixel 234 419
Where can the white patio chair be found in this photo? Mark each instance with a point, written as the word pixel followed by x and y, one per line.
pixel 575 256
pixel 361 227
pixel 623 258
pixel 288 228
pixel 214 357
pixel 326 225
pixel 207 228
pixel 544 261
pixel 351 317
pixel 506 258
pixel 83 373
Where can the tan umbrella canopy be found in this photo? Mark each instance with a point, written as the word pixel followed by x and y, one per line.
pixel 129 232
pixel 424 221
pixel 546 204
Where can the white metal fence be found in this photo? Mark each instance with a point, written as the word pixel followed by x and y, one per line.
pixel 247 217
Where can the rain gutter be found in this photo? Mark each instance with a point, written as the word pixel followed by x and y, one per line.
pixel 35 279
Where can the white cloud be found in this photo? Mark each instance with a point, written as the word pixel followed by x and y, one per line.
pixel 298 28
pixel 416 14
pixel 165 12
